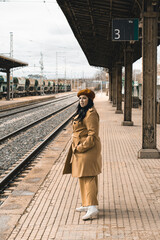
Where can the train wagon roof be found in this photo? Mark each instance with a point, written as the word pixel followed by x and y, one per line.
pixel 8 63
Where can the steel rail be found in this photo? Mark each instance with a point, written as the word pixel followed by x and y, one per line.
pixel 31 107
pixel 4 182
pixel 32 124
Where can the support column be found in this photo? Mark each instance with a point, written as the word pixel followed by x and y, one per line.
pixel 119 87
pixel 114 87
pixel 8 84
pixel 110 86
pixel 149 54
pixel 128 60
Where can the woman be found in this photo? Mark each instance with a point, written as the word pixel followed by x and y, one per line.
pixel 84 156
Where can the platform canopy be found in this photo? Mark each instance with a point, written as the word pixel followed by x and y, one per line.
pixel 91 22
pixel 7 63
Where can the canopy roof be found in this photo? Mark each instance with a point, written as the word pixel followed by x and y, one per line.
pixel 8 63
pixel 91 22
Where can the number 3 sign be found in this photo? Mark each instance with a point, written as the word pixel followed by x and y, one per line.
pixel 125 29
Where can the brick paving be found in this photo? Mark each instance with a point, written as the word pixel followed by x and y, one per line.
pixel 129 191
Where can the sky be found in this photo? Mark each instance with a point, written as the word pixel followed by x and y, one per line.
pixel 37 28
pixel 40 27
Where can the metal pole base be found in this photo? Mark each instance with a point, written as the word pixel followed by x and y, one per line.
pixel 127 123
pixel 148 153
pixel 118 111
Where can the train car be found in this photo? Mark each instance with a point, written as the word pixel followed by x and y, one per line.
pixel 51 86
pixel 63 87
pixel 46 86
pixel 68 87
pixel 19 86
pixel 56 88
pixel 36 86
pixel 3 87
pixel 40 86
pixel 30 86
pixel 59 87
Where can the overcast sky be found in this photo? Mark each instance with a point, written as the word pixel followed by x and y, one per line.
pixel 40 26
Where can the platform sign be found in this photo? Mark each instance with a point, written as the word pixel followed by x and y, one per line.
pixel 125 29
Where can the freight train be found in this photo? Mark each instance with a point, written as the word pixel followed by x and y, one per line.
pixel 29 86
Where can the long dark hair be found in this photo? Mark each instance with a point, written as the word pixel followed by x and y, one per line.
pixel 81 111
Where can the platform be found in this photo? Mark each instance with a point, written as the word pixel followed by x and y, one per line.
pixel 23 101
pixel 129 190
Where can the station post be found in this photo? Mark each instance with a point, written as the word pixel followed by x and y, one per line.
pixel 8 83
pixel 114 87
pixel 119 87
pixel 110 85
pixel 128 60
pixel 149 58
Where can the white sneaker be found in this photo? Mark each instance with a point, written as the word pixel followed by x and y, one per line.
pixel 92 211
pixel 82 209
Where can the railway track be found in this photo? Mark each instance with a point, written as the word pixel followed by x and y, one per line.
pixel 19 109
pixel 9 177
pixel 30 125
pixel 18 122
pixel 9 172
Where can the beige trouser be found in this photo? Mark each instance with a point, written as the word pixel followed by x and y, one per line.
pixel 89 190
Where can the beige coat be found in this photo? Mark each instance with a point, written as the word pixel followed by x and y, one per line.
pixel 84 155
